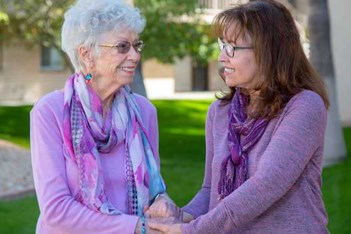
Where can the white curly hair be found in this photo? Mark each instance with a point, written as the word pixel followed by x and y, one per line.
pixel 87 20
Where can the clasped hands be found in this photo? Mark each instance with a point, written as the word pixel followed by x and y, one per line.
pixel 163 216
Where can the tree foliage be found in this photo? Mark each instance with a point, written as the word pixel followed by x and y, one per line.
pixel 34 22
pixel 175 29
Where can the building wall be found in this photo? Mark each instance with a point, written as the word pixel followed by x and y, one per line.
pixel 21 78
pixel 182 75
pixel 341 38
pixel 153 69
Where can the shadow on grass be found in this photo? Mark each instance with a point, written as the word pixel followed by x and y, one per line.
pixel 15 124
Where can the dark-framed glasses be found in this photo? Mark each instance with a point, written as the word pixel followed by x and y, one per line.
pixel 230 49
pixel 123 47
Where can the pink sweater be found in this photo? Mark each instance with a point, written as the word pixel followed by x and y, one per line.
pixel 56 178
pixel 283 192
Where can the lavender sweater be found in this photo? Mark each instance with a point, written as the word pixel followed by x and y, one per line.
pixel 283 191
pixel 56 177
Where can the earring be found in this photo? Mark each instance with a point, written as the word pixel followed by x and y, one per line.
pixel 88 78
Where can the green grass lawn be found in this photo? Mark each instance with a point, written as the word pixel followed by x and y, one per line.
pixel 182 151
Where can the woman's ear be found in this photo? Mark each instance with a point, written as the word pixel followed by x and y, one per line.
pixel 86 56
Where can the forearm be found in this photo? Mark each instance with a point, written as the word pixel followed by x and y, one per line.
pixel 199 205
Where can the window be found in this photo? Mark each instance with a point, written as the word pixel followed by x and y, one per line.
pixel 51 59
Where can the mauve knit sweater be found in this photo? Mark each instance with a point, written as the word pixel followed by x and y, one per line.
pixel 283 191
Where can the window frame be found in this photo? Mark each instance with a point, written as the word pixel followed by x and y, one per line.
pixel 55 62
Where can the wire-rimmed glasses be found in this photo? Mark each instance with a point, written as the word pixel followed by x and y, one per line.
pixel 230 49
pixel 123 47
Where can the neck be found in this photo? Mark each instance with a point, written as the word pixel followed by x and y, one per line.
pixel 251 92
pixel 106 94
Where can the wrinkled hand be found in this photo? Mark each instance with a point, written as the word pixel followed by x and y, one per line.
pixel 148 229
pixel 165 225
pixel 163 207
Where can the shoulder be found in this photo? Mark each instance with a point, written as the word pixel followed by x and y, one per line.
pixel 218 110
pixel 50 102
pixel 307 107
pixel 307 99
pixel 144 104
pixel 218 107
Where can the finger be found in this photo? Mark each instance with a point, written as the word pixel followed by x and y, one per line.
pixel 147 214
pixel 146 208
pixel 158 226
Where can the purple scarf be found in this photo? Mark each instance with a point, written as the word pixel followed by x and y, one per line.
pixel 87 134
pixel 242 136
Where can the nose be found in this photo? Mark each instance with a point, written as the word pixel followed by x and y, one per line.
pixel 133 54
pixel 223 57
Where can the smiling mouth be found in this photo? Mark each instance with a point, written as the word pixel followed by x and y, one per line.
pixel 127 69
pixel 228 70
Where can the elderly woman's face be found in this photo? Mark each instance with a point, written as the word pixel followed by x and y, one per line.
pixel 238 60
pixel 116 65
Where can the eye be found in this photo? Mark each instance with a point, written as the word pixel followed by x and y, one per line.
pixel 123 45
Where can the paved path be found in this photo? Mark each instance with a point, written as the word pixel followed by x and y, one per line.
pixel 16 178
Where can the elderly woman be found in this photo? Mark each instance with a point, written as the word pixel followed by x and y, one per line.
pixel 95 144
pixel 265 138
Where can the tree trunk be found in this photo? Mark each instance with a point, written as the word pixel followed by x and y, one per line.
pixel 138 83
pixel 321 58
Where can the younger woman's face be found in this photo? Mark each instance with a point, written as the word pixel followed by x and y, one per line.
pixel 241 70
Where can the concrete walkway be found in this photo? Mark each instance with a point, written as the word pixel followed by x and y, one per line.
pixel 16 178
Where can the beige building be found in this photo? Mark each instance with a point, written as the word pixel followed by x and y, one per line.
pixel 27 74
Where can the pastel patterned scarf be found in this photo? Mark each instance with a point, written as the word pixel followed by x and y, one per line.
pixel 87 134
pixel 242 136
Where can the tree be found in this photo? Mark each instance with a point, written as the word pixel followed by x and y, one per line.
pixel 176 29
pixel 322 59
pixel 173 29
pixel 35 22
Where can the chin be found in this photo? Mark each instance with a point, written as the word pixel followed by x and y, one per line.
pixel 230 84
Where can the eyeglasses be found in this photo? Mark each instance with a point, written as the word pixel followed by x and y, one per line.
pixel 230 49
pixel 123 47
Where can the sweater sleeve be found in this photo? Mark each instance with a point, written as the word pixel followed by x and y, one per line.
pixel 149 116
pixel 153 134
pixel 199 205
pixel 57 205
pixel 298 136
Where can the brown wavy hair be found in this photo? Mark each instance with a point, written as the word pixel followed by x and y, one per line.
pixel 282 63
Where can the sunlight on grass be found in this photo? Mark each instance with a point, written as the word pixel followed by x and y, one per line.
pixel 195 132
pixel 14 125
